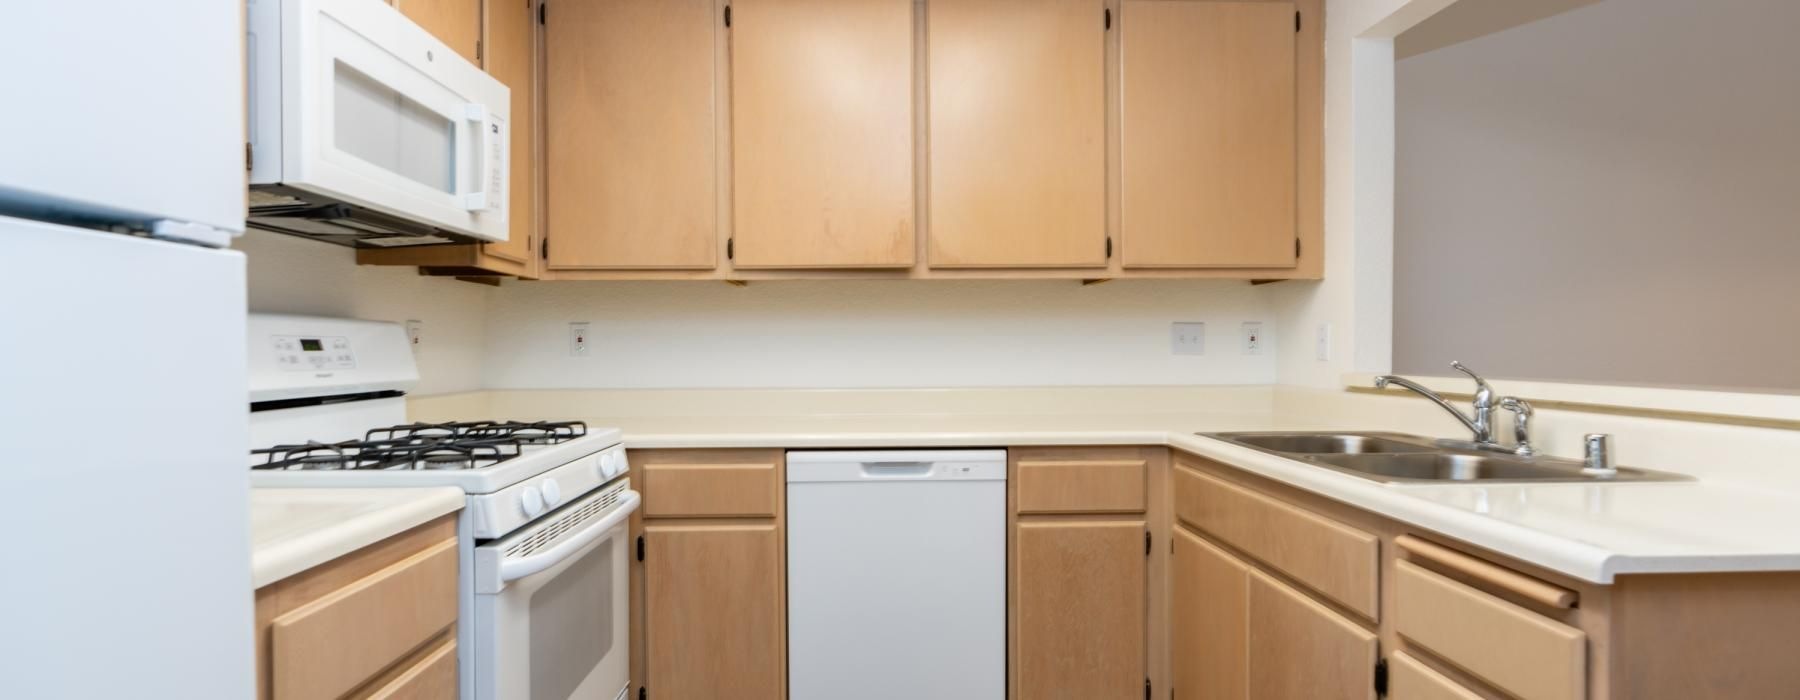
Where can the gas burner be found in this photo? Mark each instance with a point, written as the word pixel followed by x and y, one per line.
pixel 443 453
pixel 533 433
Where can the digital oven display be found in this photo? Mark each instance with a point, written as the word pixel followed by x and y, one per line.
pixel 311 344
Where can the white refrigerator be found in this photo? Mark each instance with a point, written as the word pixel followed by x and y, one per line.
pixel 123 424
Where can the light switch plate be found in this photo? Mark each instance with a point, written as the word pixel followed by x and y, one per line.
pixel 1322 343
pixel 1187 338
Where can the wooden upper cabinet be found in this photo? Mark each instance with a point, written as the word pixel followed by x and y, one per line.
pixel 1209 170
pixel 1017 133
pixel 630 174
pixel 510 54
pixel 457 23
pixel 822 133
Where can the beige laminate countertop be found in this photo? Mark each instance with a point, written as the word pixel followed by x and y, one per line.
pixel 1593 532
pixel 292 530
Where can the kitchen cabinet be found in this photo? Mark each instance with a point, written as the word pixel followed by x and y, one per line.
pixel 457 23
pixel 630 158
pixel 1017 104
pixel 822 133
pixel 378 622
pixel 1239 633
pixel 1079 569
pixel 1210 133
pixel 709 593
pixel 510 55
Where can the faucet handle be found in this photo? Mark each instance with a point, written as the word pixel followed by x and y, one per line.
pixel 1484 394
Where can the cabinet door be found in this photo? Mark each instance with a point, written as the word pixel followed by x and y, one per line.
pixel 1209 610
pixel 1301 649
pixel 457 23
pixel 1209 176
pixel 1079 622
pixel 1017 133
pixel 511 50
pixel 630 174
pixel 822 133
pixel 713 613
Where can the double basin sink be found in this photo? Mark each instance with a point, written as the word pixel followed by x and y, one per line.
pixel 1400 458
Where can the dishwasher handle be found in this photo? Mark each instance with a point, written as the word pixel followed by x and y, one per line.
pixel 897 470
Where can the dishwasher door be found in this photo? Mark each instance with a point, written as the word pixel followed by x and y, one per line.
pixel 896 575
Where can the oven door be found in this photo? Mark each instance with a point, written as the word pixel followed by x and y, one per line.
pixel 376 112
pixel 551 605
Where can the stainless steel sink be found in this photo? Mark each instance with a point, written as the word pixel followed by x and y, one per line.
pixel 1397 457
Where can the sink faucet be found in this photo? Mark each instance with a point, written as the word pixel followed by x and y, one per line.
pixel 1481 424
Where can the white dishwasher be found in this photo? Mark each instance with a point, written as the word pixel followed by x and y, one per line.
pixel 896 574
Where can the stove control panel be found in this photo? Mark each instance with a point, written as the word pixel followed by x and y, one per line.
pixel 302 353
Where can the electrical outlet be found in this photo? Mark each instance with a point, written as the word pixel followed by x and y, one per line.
pixel 1253 337
pixel 1187 338
pixel 1322 343
pixel 414 329
pixel 578 339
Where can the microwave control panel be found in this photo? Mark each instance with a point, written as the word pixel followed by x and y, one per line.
pixel 312 353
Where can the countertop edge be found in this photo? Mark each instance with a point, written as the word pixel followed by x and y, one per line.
pixel 275 561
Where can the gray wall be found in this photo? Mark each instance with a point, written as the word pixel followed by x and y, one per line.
pixel 1610 195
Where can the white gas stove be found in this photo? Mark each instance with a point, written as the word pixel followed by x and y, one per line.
pixel 547 501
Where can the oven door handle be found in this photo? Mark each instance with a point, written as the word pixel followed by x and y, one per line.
pixel 515 569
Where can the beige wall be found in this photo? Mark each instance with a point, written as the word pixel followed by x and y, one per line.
pixel 1609 195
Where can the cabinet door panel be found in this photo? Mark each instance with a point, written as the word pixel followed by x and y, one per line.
pixel 1080 617
pixel 457 23
pixel 1209 134
pixel 1301 649
pixel 511 50
pixel 1017 133
pixel 630 159
pixel 822 133
pixel 1210 605
pixel 713 614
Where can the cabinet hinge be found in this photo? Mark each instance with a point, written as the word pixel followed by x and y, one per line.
pixel 1296 248
pixel 249 157
pixel 541 12
pixel 1146 689
pixel 1296 21
pixel 478 49
pixel 643 693
pixel 544 250
pixel 729 248
pixel 1146 544
pixel 1109 18
pixel 640 548
pixel 727 16
pixel 1381 680
pixel 1109 247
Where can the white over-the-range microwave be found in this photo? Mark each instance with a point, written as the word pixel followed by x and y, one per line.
pixel 367 131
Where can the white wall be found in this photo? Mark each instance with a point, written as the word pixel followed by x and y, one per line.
pixel 832 334
pixel 293 275
pixel 1605 196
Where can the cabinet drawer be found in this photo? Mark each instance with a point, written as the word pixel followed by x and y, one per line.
pixel 330 646
pixel 1081 486
pixel 677 490
pixel 1516 650
pixel 1334 559
pixel 432 676
pixel 1411 680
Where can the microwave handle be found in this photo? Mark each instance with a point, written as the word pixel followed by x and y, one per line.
pixel 514 569
pixel 477 115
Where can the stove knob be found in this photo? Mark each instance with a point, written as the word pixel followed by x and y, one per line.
pixel 552 492
pixel 531 501
pixel 615 464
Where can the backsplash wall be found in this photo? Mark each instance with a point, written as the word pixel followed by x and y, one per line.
pixel 872 333
pixel 296 276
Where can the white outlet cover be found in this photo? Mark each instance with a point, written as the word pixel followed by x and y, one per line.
pixel 1253 337
pixel 414 331
pixel 1187 338
pixel 579 340
pixel 1322 343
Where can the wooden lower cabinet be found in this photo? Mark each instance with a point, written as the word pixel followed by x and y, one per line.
pixel 1079 620
pixel 376 623
pixel 713 612
pixel 1240 633
pixel 709 589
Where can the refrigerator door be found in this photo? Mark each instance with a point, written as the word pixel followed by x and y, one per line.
pixel 125 111
pixel 124 490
